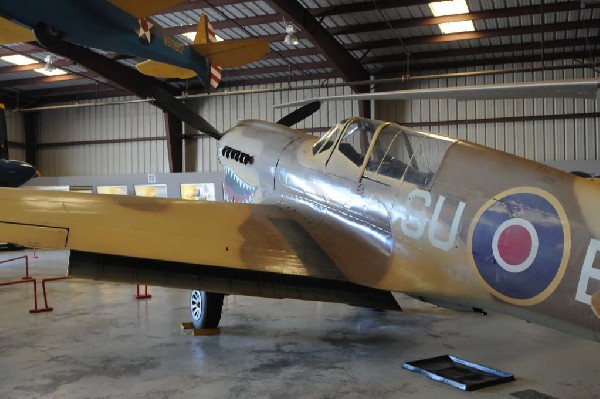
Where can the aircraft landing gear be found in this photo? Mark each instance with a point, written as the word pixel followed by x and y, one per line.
pixel 206 309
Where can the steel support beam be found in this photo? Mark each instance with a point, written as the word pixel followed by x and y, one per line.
pixel 141 85
pixel 3 134
pixel 31 121
pixel 174 130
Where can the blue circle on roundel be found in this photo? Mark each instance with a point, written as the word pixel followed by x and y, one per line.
pixel 545 258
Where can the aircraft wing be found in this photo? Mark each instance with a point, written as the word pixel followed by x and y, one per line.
pixel 163 70
pixel 11 32
pixel 241 236
pixel 144 8
pixel 576 88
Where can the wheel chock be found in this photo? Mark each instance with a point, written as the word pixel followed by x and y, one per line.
pixel 206 331
pixel 200 331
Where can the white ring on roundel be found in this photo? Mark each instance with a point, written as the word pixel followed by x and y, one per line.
pixel 535 243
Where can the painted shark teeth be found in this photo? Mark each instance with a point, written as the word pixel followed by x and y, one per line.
pixel 235 189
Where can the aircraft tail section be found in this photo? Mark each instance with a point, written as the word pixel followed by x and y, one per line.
pixel 205 34
pixel 219 54
pixel 233 53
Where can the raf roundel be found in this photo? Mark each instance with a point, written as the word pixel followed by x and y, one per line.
pixel 519 245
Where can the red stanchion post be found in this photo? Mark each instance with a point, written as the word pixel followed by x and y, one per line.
pixel 44 281
pixel 145 296
pixel 27 276
pixel 31 280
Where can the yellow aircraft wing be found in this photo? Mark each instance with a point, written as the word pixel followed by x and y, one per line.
pixel 243 236
pixel 232 53
pixel 144 8
pixel 162 70
pixel 11 32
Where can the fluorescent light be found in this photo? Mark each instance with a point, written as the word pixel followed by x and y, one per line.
pixel 18 59
pixel 53 72
pixel 441 8
pixel 192 36
pixel 456 27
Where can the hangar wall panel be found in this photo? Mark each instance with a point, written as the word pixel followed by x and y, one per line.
pixel 130 138
pixel 106 140
pixel 16 134
pixel 508 125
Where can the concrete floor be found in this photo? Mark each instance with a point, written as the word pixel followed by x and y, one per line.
pixel 101 343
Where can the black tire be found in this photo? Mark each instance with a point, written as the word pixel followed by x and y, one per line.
pixel 46 36
pixel 581 174
pixel 14 247
pixel 205 308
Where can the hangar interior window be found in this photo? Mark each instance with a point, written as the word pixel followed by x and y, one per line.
pixel 403 153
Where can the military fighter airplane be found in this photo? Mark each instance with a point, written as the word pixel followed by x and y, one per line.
pixel 124 26
pixel 370 209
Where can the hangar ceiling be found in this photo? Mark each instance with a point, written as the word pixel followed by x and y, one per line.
pixel 351 40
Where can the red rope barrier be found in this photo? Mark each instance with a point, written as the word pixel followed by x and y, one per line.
pixel 27 276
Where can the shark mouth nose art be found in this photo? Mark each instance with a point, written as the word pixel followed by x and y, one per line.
pixel 235 189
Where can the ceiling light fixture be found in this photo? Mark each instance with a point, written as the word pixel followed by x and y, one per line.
pixel 49 69
pixel 49 63
pixel 291 39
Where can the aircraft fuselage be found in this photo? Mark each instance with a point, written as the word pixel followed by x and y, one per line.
pixel 450 222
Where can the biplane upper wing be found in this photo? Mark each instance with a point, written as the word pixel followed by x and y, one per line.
pixel 241 236
pixel 11 32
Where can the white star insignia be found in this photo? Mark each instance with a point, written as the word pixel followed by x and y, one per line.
pixel 143 31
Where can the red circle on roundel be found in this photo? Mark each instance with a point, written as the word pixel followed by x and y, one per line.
pixel 514 245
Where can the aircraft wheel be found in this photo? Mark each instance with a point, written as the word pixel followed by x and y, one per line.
pixel 46 36
pixel 206 308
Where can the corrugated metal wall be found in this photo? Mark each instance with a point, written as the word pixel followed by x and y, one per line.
pixel 509 125
pixel 101 140
pixel 16 134
pixel 129 138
